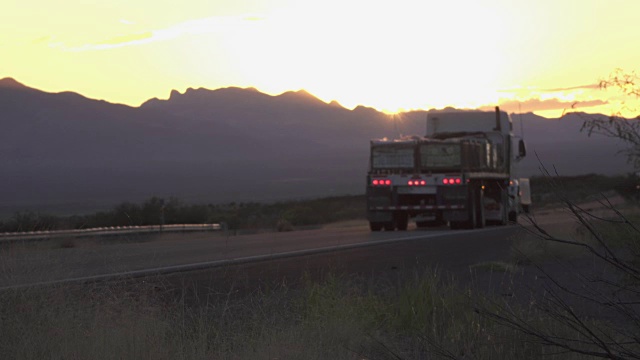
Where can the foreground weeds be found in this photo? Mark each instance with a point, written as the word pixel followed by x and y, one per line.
pixel 413 315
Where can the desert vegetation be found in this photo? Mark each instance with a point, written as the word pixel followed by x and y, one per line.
pixel 157 211
pixel 407 316
pixel 285 215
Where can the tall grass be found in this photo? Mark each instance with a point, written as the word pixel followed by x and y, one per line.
pixel 408 315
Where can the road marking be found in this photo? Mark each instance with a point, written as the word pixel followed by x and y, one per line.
pixel 249 259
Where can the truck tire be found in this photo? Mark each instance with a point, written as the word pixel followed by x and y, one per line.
pixel 504 216
pixel 480 219
pixel 472 218
pixel 389 226
pixel 505 210
pixel 375 226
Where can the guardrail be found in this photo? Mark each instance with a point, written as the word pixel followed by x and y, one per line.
pixel 113 230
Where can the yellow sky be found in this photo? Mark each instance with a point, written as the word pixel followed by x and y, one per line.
pixel 542 55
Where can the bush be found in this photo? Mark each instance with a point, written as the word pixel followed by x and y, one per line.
pixel 607 287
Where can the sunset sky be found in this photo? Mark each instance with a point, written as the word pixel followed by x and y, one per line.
pixel 542 55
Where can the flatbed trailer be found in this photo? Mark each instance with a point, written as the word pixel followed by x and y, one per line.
pixel 460 178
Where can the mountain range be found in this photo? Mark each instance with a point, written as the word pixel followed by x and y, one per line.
pixel 65 152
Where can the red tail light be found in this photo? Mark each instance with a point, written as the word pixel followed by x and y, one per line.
pixel 452 181
pixel 417 182
pixel 381 182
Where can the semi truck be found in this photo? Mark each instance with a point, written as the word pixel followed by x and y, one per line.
pixel 463 173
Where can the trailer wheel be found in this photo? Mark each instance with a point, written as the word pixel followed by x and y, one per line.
pixel 389 226
pixel 473 210
pixel 375 226
pixel 504 219
pixel 504 204
pixel 480 219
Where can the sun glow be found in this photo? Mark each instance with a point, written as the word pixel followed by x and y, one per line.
pixel 396 66
pixel 392 56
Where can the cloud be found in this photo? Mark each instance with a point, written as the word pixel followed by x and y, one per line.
pixel 127 39
pixel 535 90
pixel 536 104
pixel 559 99
pixel 572 88
pixel 190 27
pixel 41 40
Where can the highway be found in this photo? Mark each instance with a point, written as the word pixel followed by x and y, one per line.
pixel 135 255
pixel 345 247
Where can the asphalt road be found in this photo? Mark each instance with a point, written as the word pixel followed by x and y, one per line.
pixel 359 250
pixel 336 250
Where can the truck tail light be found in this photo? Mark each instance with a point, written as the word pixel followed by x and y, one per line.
pixel 452 181
pixel 381 182
pixel 417 182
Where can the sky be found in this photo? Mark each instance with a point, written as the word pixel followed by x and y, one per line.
pixel 546 56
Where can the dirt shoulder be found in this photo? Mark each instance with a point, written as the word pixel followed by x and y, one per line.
pixel 540 271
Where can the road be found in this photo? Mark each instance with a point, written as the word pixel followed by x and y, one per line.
pixel 352 247
pixel 59 260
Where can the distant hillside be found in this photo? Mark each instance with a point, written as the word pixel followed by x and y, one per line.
pixel 559 143
pixel 221 145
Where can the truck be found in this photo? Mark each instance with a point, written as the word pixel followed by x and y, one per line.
pixel 463 173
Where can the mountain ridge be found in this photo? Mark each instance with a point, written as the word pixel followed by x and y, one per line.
pixel 9 82
pixel 228 144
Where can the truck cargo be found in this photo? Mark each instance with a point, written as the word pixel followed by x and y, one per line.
pixel 461 173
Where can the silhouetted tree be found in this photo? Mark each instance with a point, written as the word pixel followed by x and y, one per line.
pixel 152 211
pixel 611 287
pixel 616 126
pixel 127 214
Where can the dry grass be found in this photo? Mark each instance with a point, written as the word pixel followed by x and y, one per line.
pixel 411 315
pixel 495 266
pixel 530 247
pixel 417 314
